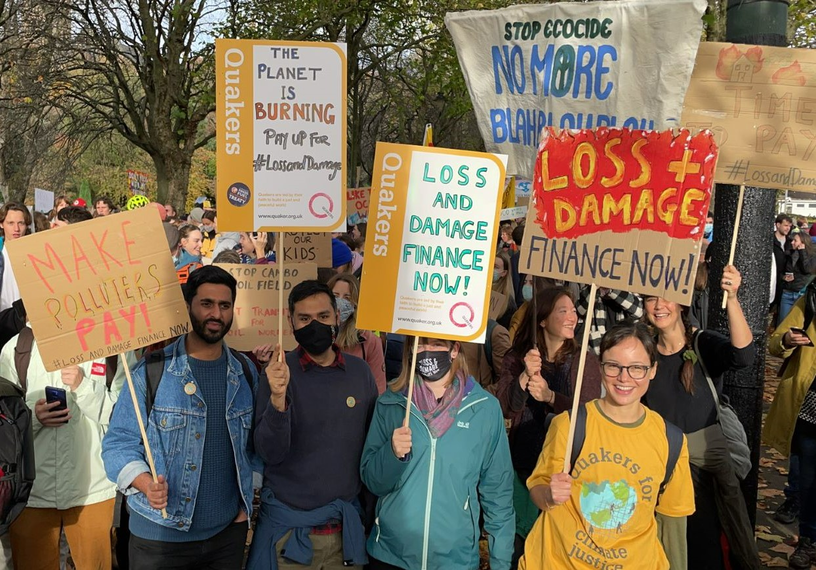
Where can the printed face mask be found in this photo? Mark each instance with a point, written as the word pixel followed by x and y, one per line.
pixel 316 337
pixel 345 308
pixel 433 364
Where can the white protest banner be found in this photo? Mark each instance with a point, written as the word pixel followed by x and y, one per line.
pixel 43 200
pixel 281 136
pixel 513 213
pixel 431 236
pixel 255 320
pixel 575 65
pixel 99 288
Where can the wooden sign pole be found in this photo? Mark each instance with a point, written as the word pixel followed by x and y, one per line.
pixel 411 381
pixel 280 294
pixel 580 380
pixel 148 453
pixel 734 237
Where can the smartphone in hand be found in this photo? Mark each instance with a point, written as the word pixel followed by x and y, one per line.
pixel 802 332
pixel 56 395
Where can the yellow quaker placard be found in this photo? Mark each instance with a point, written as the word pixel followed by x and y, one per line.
pixel 99 288
pixel 281 136
pixel 432 226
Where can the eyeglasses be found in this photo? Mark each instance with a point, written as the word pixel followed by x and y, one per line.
pixel 635 371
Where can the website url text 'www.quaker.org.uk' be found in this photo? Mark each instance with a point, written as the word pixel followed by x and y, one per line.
pixel 419 321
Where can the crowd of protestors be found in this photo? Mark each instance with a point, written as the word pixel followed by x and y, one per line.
pixel 312 448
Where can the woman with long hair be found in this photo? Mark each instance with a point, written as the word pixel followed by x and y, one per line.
pixel 800 266
pixel 602 513
pixel 360 343
pixel 434 475
pixel 503 283
pixel 538 378
pixel 681 393
pixel 190 241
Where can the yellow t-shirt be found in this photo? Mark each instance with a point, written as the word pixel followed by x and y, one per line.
pixel 609 522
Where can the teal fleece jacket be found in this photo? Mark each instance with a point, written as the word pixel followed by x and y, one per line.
pixel 428 508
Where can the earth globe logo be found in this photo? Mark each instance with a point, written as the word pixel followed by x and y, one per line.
pixel 607 505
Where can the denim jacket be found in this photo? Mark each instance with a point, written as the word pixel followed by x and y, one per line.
pixel 176 430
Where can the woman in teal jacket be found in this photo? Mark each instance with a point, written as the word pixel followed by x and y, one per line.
pixel 434 476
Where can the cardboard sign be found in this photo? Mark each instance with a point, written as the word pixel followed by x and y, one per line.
pixel 431 241
pixel 760 102
pixel 575 65
pixel 137 182
pixel 496 302
pixel 43 200
pixel 99 288
pixel 357 205
pixel 307 247
pixel 281 136
pixel 623 209
pixel 255 319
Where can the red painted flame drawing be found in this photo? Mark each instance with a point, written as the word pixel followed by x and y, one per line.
pixel 790 75
pixel 730 55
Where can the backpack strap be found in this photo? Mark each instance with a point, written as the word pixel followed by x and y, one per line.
pixel 580 432
pixel 111 363
pixel 674 435
pixel 244 366
pixel 22 355
pixel 154 370
pixel 696 344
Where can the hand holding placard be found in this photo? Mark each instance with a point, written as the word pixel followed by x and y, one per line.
pixel 277 374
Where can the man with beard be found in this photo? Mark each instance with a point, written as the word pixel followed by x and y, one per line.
pixel 198 428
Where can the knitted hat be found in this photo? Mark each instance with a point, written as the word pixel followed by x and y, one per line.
pixel 341 254
pixel 196 214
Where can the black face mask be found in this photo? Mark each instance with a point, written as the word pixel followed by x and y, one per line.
pixel 315 338
pixel 432 365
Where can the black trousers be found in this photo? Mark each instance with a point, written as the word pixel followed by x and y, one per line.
pixel 224 551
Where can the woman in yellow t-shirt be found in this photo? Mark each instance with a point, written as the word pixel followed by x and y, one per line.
pixel 602 514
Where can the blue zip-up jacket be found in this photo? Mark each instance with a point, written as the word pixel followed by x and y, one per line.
pixel 428 509
pixel 176 430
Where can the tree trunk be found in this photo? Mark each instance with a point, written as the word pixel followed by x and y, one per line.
pixel 173 178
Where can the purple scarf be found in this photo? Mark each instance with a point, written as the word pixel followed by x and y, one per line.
pixel 440 415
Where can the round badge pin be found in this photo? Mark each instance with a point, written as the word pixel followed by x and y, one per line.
pixel 351 402
pixel 189 388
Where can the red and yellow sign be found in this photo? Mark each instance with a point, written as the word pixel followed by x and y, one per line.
pixel 621 208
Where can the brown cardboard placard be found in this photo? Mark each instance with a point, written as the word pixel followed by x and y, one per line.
pixel 255 319
pixel 760 101
pixel 357 200
pixel 621 209
pixel 99 288
pixel 496 302
pixel 307 247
